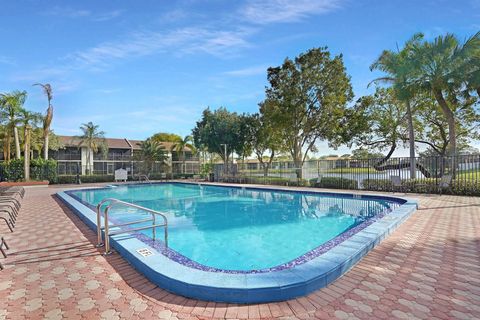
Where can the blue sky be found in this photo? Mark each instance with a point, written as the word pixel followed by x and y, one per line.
pixel 140 67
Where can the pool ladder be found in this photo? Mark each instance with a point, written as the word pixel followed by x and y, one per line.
pixel 143 177
pixel 115 202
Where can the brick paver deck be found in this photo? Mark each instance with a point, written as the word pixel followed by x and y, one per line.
pixel 428 269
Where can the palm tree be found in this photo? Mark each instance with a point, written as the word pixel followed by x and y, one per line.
pixel 28 119
pixel 181 146
pixel 47 121
pixel 443 67
pixel 93 139
pixel 11 105
pixel 399 69
pixel 151 152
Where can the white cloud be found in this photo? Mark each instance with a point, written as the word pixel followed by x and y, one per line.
pixel 272 11
pixel 249 71
pixel 179 41
pixel 6 60
pixel 67 12
pixel 108 15
pixel 185 40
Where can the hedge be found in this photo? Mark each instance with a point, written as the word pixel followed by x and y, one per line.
pixel 334 182
pixel 277 181
pixel 464 187
pixel 40 170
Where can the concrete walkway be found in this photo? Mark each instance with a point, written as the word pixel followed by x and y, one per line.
pixel 428 269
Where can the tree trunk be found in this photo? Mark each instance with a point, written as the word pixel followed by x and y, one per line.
pixel 6 148
pixel 45 145
pixel 17 143
pixel 411 138
pixel 452 137
pixel 183 170
pixel 297 159
pixel 26 154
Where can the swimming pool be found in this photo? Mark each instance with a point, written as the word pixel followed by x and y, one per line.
pixel 240 234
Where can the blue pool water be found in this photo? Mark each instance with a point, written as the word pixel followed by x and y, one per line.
pixel 242 229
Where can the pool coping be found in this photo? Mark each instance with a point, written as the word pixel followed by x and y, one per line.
pixel 271 286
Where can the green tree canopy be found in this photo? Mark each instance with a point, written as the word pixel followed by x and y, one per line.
pixel 92 138
pixel 306 98
pixel 216 128
pixel 151 152
pixel 432 126
pixel 166 137
pixel 448 69
pixel 383 116
pixel 181 147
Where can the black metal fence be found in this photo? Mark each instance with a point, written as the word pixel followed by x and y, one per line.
pixel 454 175
pixel 73 171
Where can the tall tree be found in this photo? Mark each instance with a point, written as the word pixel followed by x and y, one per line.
pixel 93 139
pixel 181 147
pixel 444 67
pixel 29 120
pixel 217 129
pixel 306 98
pixel 47 120
pixel 11 105
pixel 399 69
pixel 265 140
pixel 244 146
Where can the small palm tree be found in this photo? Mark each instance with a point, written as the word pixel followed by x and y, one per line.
pixel 181 146
pixel 151 152
pixel 47 120
pixel 93 139
pixel 11 105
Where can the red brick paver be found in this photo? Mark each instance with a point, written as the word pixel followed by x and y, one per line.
pixel 428 269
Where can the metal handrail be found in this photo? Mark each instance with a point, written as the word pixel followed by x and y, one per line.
pixel 107 227
pixel 144 176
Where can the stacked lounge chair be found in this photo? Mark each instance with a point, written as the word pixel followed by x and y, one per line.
pixel 10 203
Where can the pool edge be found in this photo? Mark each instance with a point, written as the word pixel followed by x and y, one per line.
pixel 252 288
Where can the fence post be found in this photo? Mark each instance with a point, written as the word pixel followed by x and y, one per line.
pixel 368 174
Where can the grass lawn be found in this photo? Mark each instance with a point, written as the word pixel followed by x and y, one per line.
pixel 350 170
pixel 469 174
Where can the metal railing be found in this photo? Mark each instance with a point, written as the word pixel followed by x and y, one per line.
pixel 143 177
pixel 115 202
pixel 364 174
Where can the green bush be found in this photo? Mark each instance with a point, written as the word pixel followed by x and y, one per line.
pixel 277 181
pixel 182 175
pixel 68 179
pixel 39 170
pixel 463 187
pixel 13 170
pixel 334 182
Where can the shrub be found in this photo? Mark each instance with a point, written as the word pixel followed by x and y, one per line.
pixel 277 181
pixel 334 182
pixel 41 169
pixel 68 179
pixel 13 170
pixel 458 187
